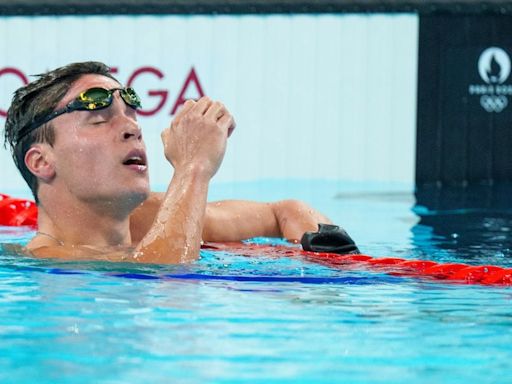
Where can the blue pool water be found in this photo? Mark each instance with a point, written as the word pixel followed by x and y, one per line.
pixel 235 319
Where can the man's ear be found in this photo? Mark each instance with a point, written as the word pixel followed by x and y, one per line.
pixel 40 161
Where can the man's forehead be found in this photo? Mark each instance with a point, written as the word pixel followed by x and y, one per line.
pixel 85 82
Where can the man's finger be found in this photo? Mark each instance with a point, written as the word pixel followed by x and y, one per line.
pixel 187 106
pixel 202 105
pixel 227 123
pixel 232 126
pixel 216 111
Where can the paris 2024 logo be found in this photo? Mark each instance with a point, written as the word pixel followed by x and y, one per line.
pixel 494 69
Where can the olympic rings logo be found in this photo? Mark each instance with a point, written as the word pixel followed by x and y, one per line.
pixel 493 103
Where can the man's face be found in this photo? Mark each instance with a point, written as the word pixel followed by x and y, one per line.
pixel 100 156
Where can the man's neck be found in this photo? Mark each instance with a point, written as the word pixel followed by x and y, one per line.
pixel 74 222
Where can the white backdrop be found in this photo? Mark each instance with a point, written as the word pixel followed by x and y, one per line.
pixel 328 97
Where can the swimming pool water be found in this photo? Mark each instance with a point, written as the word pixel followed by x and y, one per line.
pixel 287 320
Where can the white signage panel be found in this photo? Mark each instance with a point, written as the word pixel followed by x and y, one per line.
pixel 314 96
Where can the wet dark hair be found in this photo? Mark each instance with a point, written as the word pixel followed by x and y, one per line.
pixel 36 100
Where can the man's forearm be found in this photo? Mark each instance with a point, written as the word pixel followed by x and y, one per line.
pixel 175 235
pixel 194 145
pixel 235 220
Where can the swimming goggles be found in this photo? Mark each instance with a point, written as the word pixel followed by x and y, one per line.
pixel 92 99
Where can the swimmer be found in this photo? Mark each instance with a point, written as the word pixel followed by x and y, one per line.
pixel 74 136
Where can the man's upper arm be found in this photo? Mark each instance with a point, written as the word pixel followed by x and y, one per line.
pixel 229 220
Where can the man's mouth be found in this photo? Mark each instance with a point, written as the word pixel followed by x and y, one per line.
pixel 136 160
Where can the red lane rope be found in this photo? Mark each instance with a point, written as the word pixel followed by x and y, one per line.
pixel 463 273
pixel 18 212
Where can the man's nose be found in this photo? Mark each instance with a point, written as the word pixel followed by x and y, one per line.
pixel 131 131
pixel 127 119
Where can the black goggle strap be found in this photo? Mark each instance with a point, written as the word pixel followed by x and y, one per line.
pixel 37 123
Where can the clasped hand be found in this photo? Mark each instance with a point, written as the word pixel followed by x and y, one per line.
pixel 196 140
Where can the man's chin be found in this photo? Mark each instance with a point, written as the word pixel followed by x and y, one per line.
pixel 130 196
pixel 122 198
pixel 139 190
pixel 137 196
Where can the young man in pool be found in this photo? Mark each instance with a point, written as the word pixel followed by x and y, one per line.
pixel 74 137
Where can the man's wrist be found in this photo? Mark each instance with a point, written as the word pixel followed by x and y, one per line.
pixel 196 173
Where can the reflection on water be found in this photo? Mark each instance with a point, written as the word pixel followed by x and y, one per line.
pixel 471 224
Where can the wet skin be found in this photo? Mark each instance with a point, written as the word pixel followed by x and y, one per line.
pixel 94 177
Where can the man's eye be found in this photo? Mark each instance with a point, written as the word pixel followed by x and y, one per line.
pixel 98 122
